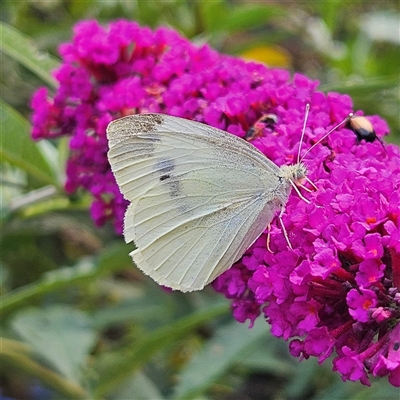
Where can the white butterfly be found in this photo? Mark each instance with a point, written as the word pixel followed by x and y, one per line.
pixel 199 196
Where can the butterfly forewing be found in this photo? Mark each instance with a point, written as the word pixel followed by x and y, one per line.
pixel 199 196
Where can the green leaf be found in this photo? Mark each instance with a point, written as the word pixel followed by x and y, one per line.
pixel 17 356
pixel 368 86
pixel 268 355
pixel 130 360
pixel 249 17
pixel 211 12
pixel 219 16
pixel 137 309
pixel 305 377
pixel 141 385
pixel 61 336
pixel 17 147
pixel 221 352
pixel 22 49
pixel 114 258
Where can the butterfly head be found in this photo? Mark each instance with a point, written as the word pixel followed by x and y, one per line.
pixel 295 173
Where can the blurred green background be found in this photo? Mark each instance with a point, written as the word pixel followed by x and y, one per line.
pixel 78 320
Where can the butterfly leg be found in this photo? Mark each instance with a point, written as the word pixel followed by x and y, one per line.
pixel 305 188
pixel 284 229
pixel 298 192
pixel 314 188
pixel 311 183
pixel 269 238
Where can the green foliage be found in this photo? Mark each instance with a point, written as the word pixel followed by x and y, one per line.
pixel 18 149
pixel 77 317
pixel 23 50
pixel 217 356
pixel 236 19
pixel 122 364
pixel 61 336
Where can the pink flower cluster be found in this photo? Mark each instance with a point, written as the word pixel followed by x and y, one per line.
pixel 338 290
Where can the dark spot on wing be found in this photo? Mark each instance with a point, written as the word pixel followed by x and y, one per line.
pixel 174 187
pixel 165 166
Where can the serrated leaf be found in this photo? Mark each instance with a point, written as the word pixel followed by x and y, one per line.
pixel 221 352
pixel 22 49
pixel 17 148
pixel 62 336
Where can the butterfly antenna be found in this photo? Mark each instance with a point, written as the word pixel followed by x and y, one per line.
pixel 303 131
pixel 327 134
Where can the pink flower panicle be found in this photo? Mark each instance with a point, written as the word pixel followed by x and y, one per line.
pixel 338 290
